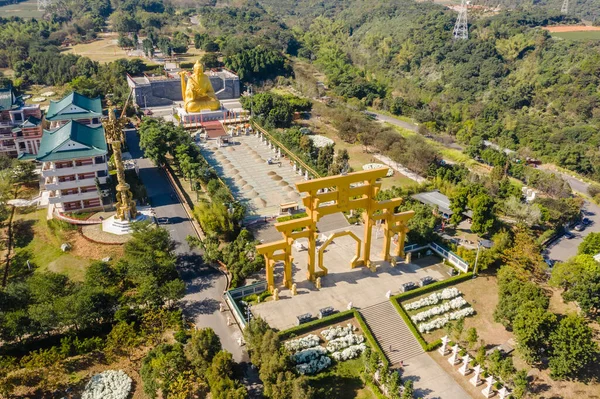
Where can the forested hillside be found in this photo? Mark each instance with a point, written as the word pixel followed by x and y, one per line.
pixel 510 82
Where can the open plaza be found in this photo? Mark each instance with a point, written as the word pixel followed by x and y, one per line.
pixel 343 286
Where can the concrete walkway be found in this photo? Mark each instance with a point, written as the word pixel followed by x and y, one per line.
pixel 430 380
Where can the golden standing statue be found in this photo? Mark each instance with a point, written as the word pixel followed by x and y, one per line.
pixel 113 128
pixel 198 93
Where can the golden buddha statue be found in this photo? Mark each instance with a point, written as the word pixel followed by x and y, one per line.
pixel 198 93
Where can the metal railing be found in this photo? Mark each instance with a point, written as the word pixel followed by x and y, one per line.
pixel 256 288
pixel 452 258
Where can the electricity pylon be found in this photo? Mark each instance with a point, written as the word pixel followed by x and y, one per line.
pixel 461 28
pixel 565 7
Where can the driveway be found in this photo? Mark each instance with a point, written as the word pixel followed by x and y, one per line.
pixel 204 285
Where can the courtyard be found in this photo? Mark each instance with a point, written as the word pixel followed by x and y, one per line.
pixel 343 285
pixel 244 168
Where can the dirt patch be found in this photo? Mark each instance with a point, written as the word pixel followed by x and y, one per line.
pixel 571 28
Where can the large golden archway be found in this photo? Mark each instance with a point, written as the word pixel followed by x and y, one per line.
pixel 330 195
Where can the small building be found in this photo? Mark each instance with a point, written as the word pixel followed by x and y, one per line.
pixel 439 201
pixel 72 157
pixel 76 107
pixel 20 125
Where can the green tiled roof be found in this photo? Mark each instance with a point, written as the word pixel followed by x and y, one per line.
pixel 92 105
pixel 90 137
pixel 8 99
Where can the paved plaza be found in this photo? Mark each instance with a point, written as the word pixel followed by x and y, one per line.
pixel 343 285
pixel 243 167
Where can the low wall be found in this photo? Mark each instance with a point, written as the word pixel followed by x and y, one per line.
pixel 450 256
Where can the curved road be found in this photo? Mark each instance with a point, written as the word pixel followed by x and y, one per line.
pixel 204 285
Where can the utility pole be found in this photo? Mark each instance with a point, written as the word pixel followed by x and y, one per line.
pixel 461 28
pixel 565 7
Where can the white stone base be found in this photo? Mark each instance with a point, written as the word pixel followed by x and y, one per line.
pixel 475 381
pixel 121 227
pixel 187 118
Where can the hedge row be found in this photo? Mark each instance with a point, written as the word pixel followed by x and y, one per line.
pixel 433 287
pixel 396 299
pixel 336 318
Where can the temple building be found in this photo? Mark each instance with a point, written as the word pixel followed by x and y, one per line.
pixel 165 90
pixel 72 157
pixel 20 125
pixel 76 107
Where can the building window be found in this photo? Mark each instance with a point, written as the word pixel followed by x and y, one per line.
pixel 94 121
pixel 99 160
pixel 101 173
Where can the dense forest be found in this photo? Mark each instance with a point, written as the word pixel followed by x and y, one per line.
pixel 511 82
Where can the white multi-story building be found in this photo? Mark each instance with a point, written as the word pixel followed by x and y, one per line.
pixel 20 125
pixel 73 157
pixel 74 107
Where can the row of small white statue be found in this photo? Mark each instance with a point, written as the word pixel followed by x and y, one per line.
pixel 488 391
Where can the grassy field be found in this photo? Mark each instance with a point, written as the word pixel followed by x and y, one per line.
pixel 579 36
pixel 343 381
pixel 105 49
pixel 43 249
pixel 24 9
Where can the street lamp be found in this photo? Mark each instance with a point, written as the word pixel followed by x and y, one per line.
pixel 481 243
pixel 251 104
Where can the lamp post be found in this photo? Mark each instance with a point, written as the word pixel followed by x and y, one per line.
pixel 476 259
pixel 251 103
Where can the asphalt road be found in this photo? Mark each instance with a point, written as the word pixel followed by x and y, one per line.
pixel 204 285
pixel 564 248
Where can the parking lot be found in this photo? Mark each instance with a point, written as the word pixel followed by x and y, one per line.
pixel 564 248
pixel 343 285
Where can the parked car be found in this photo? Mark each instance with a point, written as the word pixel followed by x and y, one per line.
pixel 426 281
pixel 579 227
pixel 408 286
pixel 569 235
pixel 549 262
pixel 586 221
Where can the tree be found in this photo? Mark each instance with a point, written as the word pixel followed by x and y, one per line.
pixel 515 292
pixel 325 158
pixel 472 337
pixel 590 244
pixel 532 327
pixel 524 256
pixel 529 214
pixel 201 348
pixel 121 340
pixel 210 60
pixel 219 378
pixel 580 279
pixel 408 390
pixel 521 384
pixel 153 140
pixel 161 367
pixel 483 213
pixel 573 347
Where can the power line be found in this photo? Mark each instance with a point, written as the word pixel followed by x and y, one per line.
pixel 461 28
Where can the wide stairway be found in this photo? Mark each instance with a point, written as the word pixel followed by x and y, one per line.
pixel 392 333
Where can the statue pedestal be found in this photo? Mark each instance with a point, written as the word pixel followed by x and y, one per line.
pixel 196 118
pixel 121 227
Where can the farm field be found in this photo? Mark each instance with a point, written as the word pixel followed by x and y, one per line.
pixel 575 32
pixel 24 9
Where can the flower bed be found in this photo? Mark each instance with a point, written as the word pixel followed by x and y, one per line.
pixel 442 321
pixel 344 342
pixel 455 303
pixel 314 366
pixel 110 384
pixel 308 355
pixel 349 353
pixel 337 331
pixel 296 345
pixel 433 299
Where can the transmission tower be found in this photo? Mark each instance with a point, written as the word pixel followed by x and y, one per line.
pixel 461 28
pixel 565 7
pixel 43 4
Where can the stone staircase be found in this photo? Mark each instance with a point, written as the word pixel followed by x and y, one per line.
pixel 392 333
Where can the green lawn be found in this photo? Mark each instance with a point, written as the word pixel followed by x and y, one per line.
pixel 24 9
pixel 580 36
pixel 342 381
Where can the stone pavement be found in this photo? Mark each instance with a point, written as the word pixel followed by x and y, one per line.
pixel 343 285
pixel 430 380
pixel 243 167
